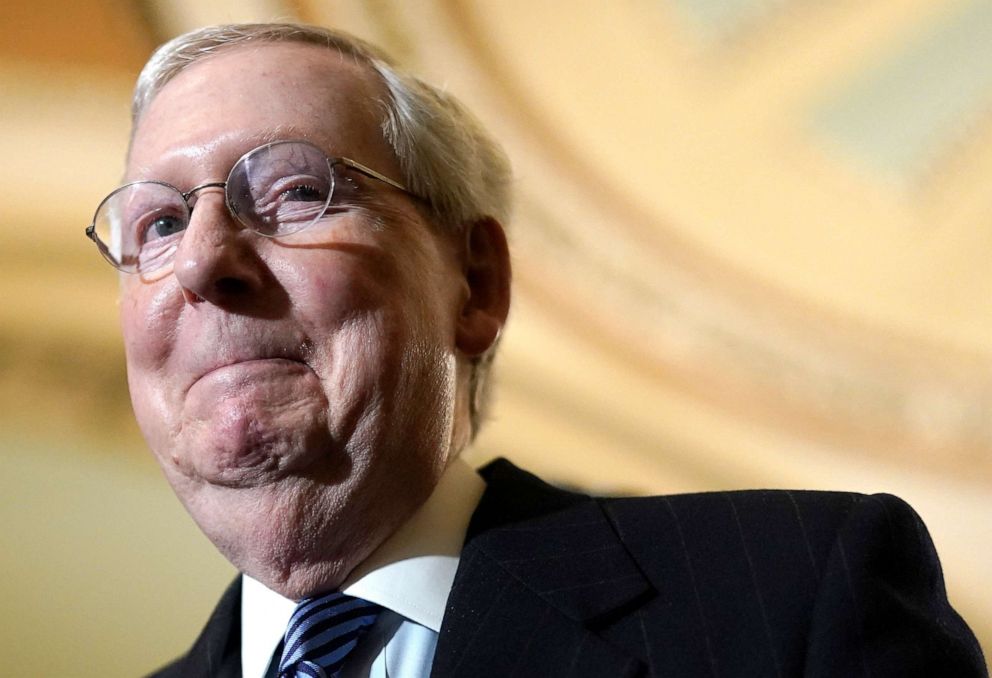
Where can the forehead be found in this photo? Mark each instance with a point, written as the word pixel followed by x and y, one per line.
pixel 221 106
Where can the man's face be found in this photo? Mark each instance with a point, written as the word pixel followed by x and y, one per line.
pixel 298 394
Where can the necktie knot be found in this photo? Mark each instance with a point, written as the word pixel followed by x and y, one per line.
pixel 321 634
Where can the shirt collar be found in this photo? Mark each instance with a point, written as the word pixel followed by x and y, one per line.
pixel 411 573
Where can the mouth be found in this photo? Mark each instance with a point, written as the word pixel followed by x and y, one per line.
pixel 236 356
pixel 250 365
pixel 249 362
pixel 242 367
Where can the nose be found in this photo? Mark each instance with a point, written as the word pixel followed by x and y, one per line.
pixel 216 260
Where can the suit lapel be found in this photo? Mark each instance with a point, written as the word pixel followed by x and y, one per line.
pixel 541 571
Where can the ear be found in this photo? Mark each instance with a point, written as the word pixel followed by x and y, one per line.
pixel 487 274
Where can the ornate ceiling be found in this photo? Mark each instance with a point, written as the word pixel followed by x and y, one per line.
pixel 751 236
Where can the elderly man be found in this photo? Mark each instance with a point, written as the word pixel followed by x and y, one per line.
pixel 315 277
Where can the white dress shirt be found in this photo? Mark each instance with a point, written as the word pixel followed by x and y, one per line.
pixel 410 575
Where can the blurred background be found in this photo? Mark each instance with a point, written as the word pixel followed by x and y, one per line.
pixel 752 249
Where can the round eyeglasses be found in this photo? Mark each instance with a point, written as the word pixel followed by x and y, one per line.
pixel 276 190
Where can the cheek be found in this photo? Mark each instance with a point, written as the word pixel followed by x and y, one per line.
pixel 148 316
pixel 368 333
pixel 389 388
pixel 330 299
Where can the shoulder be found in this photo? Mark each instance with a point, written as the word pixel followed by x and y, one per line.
pixel 797 501
pixel 858 572
pixel 794 536
pixel 878 532
pixel 813 515
pixel 818 583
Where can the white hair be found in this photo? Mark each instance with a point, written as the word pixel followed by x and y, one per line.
pixel 444 153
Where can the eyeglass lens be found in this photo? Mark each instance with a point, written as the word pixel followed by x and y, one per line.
pixel 276 190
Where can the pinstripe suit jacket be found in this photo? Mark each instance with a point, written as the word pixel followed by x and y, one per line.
pixel 757 583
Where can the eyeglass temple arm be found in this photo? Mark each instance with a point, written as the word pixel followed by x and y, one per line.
pixel 372 173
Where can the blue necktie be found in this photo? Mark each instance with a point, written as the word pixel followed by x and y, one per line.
pixel 322 632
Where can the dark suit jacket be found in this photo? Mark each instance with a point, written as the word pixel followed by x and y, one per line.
pixel 756 583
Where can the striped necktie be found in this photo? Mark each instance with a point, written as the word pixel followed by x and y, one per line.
pixel 322 632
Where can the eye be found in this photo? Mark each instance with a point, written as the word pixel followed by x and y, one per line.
pixel 303 193
pixel 289 204
pixel 163 226
pixel 286 193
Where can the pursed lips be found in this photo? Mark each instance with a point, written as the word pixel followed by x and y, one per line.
pixel 261 359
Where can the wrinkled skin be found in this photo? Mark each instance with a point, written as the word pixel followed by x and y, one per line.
pixel 301 396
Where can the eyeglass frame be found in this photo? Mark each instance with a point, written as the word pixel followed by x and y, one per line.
pixel 185 195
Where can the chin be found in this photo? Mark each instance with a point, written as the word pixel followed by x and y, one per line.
pixel 287 534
